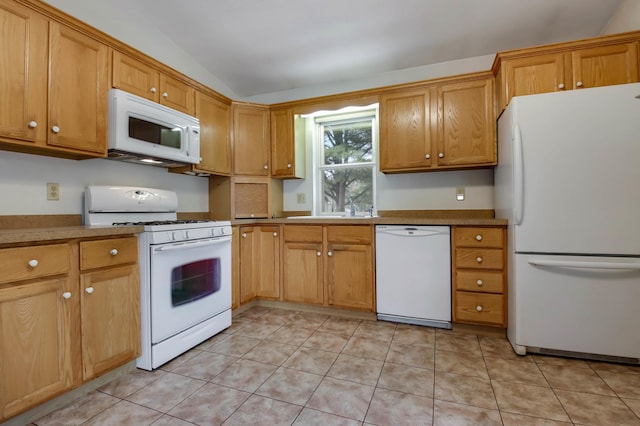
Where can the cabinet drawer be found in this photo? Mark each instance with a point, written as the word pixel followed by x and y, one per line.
pixel 484 282
pixel 479 308
pixel 479 237
pixel 479 258
pixel 303 234
pixel 349 234
pixel 23 263
pixel 111 252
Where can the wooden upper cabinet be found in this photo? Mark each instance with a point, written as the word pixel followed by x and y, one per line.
pixel 78 86
pixel 287 145
pixel 538 74
pixel 602 61
pixel 134 76
pixel 215 144
pixel 466 124
pixel 23 74
pixel 605 66
pixel 251 140
pixel 405 130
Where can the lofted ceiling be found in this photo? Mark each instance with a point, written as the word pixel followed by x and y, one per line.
pixel 267 46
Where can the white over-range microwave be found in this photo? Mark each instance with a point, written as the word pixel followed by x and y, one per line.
pixel 145 132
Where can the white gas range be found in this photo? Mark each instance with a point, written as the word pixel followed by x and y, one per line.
pixel 185 268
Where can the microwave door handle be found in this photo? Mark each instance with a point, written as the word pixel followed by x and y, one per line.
pixel 191 244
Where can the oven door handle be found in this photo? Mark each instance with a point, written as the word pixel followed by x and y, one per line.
pixel 192 244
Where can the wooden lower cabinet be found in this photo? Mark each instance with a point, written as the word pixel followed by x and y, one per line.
pixel 60 324
pixel 478 260
pixel 330 265
pixel 259 262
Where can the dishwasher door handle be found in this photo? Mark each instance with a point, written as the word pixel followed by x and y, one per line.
pixel 412 232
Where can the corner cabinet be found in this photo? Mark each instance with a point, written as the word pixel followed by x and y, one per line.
pixel 69 312
pixel 602 61
pixel 479 275
pixel 449 124
pixel 251 139
pixel 43 57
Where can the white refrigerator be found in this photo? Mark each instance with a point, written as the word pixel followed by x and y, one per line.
pixel 568 181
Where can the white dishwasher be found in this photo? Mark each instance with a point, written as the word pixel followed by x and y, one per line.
pixel 413 274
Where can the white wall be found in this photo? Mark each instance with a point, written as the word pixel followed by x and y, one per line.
pixel 23 180
pixel 625 18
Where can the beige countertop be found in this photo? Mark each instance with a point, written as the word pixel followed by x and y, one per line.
pixel 40 234
pixel 376 221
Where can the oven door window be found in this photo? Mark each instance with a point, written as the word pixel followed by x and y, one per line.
pixel 194 281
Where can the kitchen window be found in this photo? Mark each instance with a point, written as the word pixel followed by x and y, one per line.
pixel 345 155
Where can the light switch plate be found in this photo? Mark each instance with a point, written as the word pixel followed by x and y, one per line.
pixel 460 193
pixel 301 198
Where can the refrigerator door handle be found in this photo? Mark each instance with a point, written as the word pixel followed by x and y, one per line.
pixel 518 176
pixel 585 265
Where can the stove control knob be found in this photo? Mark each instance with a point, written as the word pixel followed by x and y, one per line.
pixel 186 234
pixel 173 236
pixel 212 232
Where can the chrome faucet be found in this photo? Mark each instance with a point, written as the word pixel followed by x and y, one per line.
pixel 352 208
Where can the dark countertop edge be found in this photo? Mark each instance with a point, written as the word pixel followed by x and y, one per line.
pixel 376 221
pixel 25 235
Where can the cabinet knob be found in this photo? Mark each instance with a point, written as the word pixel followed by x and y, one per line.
pixel 55 129
pixel 165 95
pixel 441 155
pixel 478 237
pixel 427 156
pixel 579 84
pixel 479 308
pixel 32 124
pixel 113 252
pixel 244 235
pixel 319 253
pixel 33 263
pixel 89 290
pixel 288 165
pixel 275 234
pixel 561 86
pixel 329 253
pixel 479 282
pixel 479 259
pixel 66 295
pixel 253 215
pixel 266 167
pixel 153 90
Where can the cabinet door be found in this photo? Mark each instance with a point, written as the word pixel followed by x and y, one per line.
pixel 405 130
pixel 251 197
pixel 110 309
pixel 466 124
pixel 35 344
pixel 215 145
pixel 78 86
pixel 268 251
pixel 302 272
pixel 250 141
pixel 135 77
pixel 282 143
pixel 605 66
pixel 23 74
pixel 177 95
pixel 350 276
pixel 248 265
pixel 535 74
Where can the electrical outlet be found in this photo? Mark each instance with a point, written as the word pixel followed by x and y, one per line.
pixel 460 193
pixel 53 191
pixel 301 198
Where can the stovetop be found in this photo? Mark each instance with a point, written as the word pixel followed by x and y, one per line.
pixel 166 222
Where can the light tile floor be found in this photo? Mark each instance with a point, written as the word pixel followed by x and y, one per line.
pixel 281 367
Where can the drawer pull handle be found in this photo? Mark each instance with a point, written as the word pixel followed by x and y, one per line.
pixel 113 252
pixel 66 295
pixel 33 263
pixel 479 308
pixel 479 282
pixel 33 124
pixel 479 259
pixel 319 253
pixel 329 253
pixel 478 237
pixel 275 234
pixel 89 290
